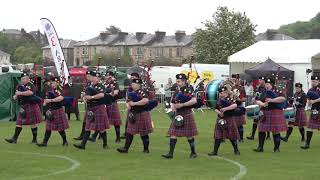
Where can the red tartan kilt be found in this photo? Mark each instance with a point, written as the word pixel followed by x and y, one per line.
pixel 314 124
pixel 59 121
pixel 100 122
pixel 240 120
pixel 189 127
pixel 301 118
pixel 33 115
pixel 114 114
pixel 231 132
pixel 273 121
pixel 142 124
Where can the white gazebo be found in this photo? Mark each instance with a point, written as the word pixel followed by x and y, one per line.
pixel 296 55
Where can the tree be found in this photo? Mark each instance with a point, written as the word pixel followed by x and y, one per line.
pixel 113 29
pixel 111 59
pixel 227 33
pixel 163 61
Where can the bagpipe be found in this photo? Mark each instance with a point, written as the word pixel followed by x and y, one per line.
pixel 136 97
pixel 33 99
pixel 148 83
pixel 313 95
pixel 272 94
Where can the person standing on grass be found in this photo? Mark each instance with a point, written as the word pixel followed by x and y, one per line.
pixel 31 114
pixel 226 126
pixel 314 119
pixel 249 93
pixel 88 77
pixel 132 76
pixel 240 118
pixel 96 115
pixel 58 120
pixel 139 119
pixel 112 88
pixel 168 91
pixel 300 100
pixel 188 128
pixel 273 119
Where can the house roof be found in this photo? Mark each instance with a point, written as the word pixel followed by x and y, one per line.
pixel 276 36
pixel 280 51
pixel 65 43
pixel 4 53
pixel 173 41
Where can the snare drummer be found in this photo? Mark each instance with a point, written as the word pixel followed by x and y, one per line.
pixel 300 100
pixel 273 119
pixel 225 110
pixel 314 122
pixel 189 128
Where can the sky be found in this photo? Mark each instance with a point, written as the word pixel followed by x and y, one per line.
pixel 85 19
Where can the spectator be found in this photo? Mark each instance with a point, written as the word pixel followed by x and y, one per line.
pixel 168 90
pixel 249 93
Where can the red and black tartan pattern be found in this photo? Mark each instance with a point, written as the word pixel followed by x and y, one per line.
pixel 142 124
pixel 59 121
pixel 231 132
pixel 300 119
pixel 189 127
pixel 240 120
pixel 114 114
pixel 33 115
pixel 273 121
pixel 314 123
pixel 101 121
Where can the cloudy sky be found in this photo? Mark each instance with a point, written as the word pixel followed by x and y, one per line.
pixel 83 19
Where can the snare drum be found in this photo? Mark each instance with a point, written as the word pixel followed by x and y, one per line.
pixel 290 114
pixel 253 111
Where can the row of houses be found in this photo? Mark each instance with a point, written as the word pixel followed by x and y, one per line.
pixel 140 46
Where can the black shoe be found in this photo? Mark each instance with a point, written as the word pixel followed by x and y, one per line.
pixel 193 155
pixel 105 146
pixel 146 151
pixel 78 138
pixel 284 139
pixel 305 147
pixel 12 141
pixel 123 137
pixel 42 145
pixel 276 150
pixel 65 144
pixel 34 141
pixel 118 140
pixel 122 150
pixel 259 149
pixel 237 152
pixel 92 139
pixel 167 156
pixel 79 146
pixel 213 153
pixel 250 138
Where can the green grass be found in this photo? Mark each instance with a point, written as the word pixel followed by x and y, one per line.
pixel 98 164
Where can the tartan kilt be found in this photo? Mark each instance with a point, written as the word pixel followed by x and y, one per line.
pixel 33 115
pixel 300 119
pixel 240 120
pixel 100 122
pixel 114 114
pixel 189 127
pixel 231 132
pixel 142 124
pixel 314 124
pixel 59 121
pixel 273 121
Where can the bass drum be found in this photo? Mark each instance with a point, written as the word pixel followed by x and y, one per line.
pixel 212 93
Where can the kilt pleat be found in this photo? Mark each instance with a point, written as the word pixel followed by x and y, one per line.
pixel 114 114
pixel 59 121
pixel 33 115
pixel 240 120
pixel 300 119
pixel 231 132
pixel 273 121
pixel 189 127
pixel 142 124
pixel 100 122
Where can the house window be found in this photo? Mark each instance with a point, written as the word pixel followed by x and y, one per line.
pixel 84 51
pixel 157 52
pixel 139 51
pixel 78 62
pixel 178 52
pixel 170 52
pixel 150 53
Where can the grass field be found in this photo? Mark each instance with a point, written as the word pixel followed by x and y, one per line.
pixel 26 161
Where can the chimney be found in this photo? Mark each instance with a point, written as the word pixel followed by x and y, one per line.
pixel 23 31
pixel 122 35
pixel 104 35
pixel 139 35
pixel 179 35
pixel 270 34
pixel 160 35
